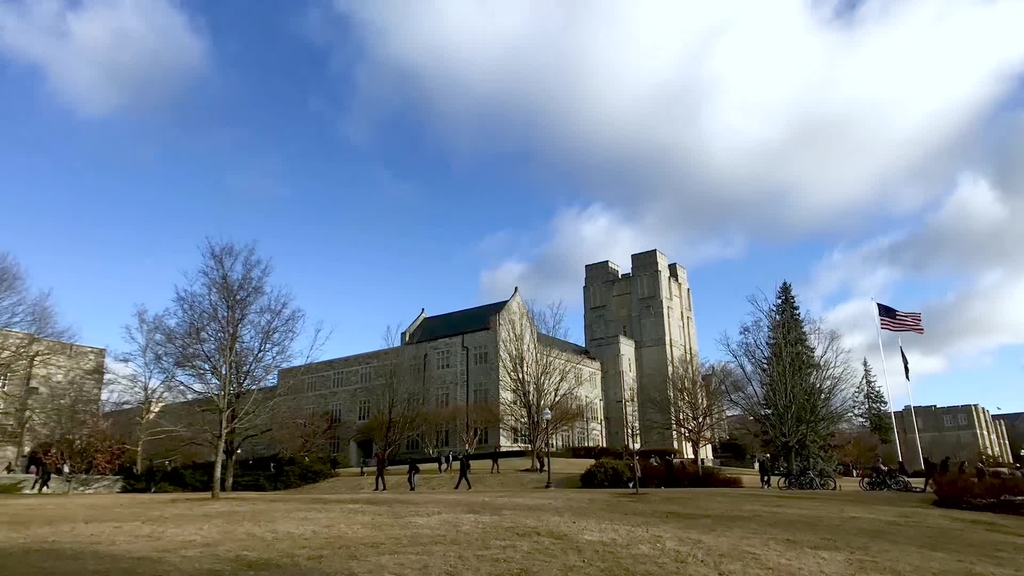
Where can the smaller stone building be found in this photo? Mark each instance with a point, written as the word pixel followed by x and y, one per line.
pixel 41 381
pixel 963 432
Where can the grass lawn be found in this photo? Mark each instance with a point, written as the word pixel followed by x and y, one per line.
pixel 506 525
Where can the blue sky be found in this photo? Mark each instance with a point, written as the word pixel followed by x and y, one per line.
pixel 392 156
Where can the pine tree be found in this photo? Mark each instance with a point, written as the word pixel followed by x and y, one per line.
pixel 871 408
pixel 790 370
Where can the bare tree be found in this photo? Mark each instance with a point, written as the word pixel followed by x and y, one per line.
pixel 693 403
pixel 302 433
pixel 397 404
pixel 471 421
pixel 534 375
pixel 228 330
pixel 26 315
pixel 144 381
pixel 799 394
pixel 632 441
pixel 69 428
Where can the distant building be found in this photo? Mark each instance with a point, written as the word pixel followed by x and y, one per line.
pixel 36 376
pixel 963 432
pixel 1013 423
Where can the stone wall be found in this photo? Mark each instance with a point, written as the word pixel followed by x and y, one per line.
pixel 80 485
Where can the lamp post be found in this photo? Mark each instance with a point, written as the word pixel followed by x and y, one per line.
pixel 546 416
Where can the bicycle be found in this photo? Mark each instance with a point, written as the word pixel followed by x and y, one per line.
pixel 799 481
pixel 887 481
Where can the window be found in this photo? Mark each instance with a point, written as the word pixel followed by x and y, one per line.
pixel 443 359
pixel 519 436
pixel 310 384
pixel 947 420
pixel 415 367
pixel 310 413
pixel 412 443
pixel 334 445
pixel 480 395
pixel 442 398
pixel 581 437
pixel 480 356
pixel 962 418
pixel 564 439
pixel 336 412
pixel 364 410
pixel 3 386
pixel 365 374
pixel 337 379
pixel 481 435
pixel 441 436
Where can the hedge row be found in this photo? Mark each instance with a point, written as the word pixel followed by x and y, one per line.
pixel 1003 494
pixel 256 476
pixel 608 473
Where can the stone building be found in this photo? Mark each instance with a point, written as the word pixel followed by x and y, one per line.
pixel 453 360
pixel 637 324
pixel 40 382
pixel 1013 423
pixel 963 432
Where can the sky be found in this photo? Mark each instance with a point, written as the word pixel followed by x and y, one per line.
pixel 390 156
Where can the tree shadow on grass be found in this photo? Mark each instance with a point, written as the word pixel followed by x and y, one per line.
pixel 37 559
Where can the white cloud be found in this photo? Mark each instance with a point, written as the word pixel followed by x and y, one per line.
pixel 974 238
pixel 102 55
pixel 774 113
pixel 777 119
pixel 580 236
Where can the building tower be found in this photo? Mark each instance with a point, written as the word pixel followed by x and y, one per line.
pixel 637 323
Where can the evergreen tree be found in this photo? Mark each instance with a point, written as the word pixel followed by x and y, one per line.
pixel 790 371
pixel 871 408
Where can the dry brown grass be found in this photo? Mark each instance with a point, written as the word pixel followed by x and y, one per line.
pixel 504 526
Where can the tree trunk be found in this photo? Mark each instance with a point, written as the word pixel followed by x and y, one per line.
pixel 138 456
pixel 636 474
pixel 229 472
pixel 68 478
pixel 218 462
pixel 696 456
pixel 791 460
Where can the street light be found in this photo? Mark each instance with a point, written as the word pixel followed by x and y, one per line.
pixel 546 416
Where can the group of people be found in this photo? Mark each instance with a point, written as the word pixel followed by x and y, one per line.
pixel 444 465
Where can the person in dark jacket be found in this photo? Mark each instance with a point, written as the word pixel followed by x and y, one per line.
pixel 464 471
pixel 413 471
pixel 944 466
pixel 378 482
pixel 764 466
pixel 495 464
pixel 962 468
pixel 44 477
pixel 901 468
pixel 929 472
pixel 440 463
pixel 980 471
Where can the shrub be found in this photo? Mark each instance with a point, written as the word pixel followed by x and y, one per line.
pixel 606 473
pixel 256 477
pixel 595 453
pixel 684 475
pixel 1005 494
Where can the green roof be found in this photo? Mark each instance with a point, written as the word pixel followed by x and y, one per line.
pixel 456 323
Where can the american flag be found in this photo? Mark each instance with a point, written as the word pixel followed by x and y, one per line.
pixel 893 320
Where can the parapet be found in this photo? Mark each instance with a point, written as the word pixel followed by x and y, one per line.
pixel 602 272
pixel 678 272
pixel 649 261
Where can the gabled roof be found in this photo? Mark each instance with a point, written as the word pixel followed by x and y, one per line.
pixel 563 345
pixel 456 323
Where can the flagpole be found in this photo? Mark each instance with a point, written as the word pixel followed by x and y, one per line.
pixel 917 437
pixel 885 376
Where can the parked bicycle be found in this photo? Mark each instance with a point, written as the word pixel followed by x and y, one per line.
pixel 889 480
pixel 806 480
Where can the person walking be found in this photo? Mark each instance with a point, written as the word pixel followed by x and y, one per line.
pixel 44 477
pixel 448 462
pixel 929 472
pixel 464 471
pixel 379 483
pixel 764 467
pixel 440 463
pixel 9 469
pixel 495 465
pixel 413 471
pixel 944 466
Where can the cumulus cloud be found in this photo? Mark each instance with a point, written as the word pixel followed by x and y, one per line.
pixel 778 119
pixel 971 242
pixel 102 55
pixel 577 237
